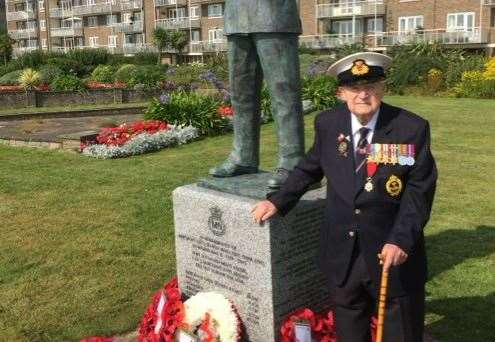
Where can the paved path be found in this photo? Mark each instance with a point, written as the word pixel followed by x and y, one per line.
pixel 50 129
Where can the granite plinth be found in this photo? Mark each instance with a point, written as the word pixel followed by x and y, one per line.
pixel 251 185
pixel 267 270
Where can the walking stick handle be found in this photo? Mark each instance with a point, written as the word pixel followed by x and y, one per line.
pixel 381 304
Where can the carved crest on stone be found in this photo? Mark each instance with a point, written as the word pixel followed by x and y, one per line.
pixel 215 222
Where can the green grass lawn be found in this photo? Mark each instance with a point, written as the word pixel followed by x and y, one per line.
pixel 85 243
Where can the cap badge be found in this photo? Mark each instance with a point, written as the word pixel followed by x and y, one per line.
pixel 359 67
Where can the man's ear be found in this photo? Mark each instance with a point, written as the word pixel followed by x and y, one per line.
pixel 340 94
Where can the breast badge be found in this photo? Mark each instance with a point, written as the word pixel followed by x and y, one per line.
pixel 394 186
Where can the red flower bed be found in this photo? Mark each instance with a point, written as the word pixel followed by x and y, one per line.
pixel 42 87
pixel 10 88
pixel 118 136
pixel 226 111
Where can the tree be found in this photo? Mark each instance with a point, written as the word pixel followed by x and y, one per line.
pixel 169 39
pixel 6 48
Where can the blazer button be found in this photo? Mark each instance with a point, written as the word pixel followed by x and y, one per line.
pixel 351 233
pixel 357 211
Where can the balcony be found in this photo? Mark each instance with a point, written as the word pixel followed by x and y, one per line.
pixel 129 5
pixel 350 8
pixel 328 41
pixel 160 3
pixel 136 26
pixel 177 23
pixel 98 8
pixel 59 12
pixel 66 32
pixel 208 46
pixel 16 52
pixel 489 2
pixel 441 36
pixel 20 15
pixel 23 33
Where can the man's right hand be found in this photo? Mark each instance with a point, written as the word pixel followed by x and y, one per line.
pixel 263 210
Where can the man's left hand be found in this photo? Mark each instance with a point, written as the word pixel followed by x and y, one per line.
pixel 392 255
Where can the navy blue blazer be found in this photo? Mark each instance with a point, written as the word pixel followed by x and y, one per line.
pixel 370 218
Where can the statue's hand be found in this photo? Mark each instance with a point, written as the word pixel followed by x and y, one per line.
pixel 263 210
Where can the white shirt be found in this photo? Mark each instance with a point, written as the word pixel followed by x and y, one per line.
pixel 356 125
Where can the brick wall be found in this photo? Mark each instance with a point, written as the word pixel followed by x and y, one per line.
pixel 307 13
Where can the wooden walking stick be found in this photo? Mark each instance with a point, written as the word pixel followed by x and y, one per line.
pixel 381 302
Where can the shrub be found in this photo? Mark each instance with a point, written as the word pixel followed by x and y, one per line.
pixel 149 76
pixel 11 78
pixel 68 66
pixel 126 72
pixel 89 57
pixel 455 69
pixel 189 109
pixel 489 72
pixel 29 78
pixel 103 73
pixel 67 83
pixel 48 73
pixel 146 58
pixel 434 80
pixel 320 90
pixel 473 84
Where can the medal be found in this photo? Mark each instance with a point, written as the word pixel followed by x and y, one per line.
pixel 343 146
pixel 393 154
pixel 371 168
pixel 403 155
pixel 393 186
pixel 410 154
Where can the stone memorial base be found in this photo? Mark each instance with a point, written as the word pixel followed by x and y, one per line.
pixel 267 271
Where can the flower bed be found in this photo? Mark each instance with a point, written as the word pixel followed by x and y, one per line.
pixel 137 138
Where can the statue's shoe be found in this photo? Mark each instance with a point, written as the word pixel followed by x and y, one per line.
pixel 229 169
pixel 278 178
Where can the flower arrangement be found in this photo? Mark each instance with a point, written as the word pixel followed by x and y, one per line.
pixel 226 111
pixel 118 136
pixel 163 316
pixel 214 316
pixel 126 144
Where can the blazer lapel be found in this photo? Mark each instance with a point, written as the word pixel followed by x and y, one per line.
pixel 382 129
pixel 344 166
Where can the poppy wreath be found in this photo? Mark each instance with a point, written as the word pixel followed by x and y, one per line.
pixel 163 316
pixel 322 326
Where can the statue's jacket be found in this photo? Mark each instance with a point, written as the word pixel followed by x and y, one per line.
pixel 261 16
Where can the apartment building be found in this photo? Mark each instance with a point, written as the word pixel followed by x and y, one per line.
pixel 126 26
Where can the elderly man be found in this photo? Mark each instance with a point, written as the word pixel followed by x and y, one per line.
pixel 263 42
pixel 381 182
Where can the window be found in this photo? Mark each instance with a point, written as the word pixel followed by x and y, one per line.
pixel 194 12
pixel 127 17
pixel 93 41
pixel 344 27
pixel 215 10
pixel 112 41
pixel 460 21
pixel 215 35
pixel 43 25
pixel 41 5
pixel 31 25
pixel 92 21
pixel 177 13
pixel 372 23
pixel 136 16
pixel 410 24
pixel 111 19
pixel 91 2
pixel 32 43
pixel 43 43
pixel 195 36
pixel 110 2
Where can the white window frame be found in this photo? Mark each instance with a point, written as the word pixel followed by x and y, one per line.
pixel 41 5
pixel 43 25
pixel 126 17
pixel 457 27
pixel 112 41
pixel 378 30
pixel 43 43
pixel 90 2
pixel 112 19
pixel 177 13
pixel 93 41
pixel 90 21
pixel 415 19
pixel 213 13
pixel 215 35
pixel 195 34
pixel 345 27
pixel 194 12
